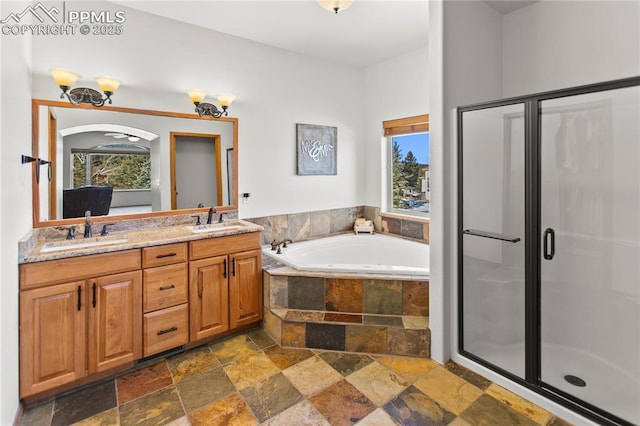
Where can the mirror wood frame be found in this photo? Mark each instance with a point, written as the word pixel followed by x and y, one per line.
pixel 35 137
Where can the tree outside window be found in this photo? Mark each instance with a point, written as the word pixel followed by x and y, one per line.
pixel 410 174
pixel 121 170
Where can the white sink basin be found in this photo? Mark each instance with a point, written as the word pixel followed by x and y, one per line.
pixel 215 227
pixel 81 243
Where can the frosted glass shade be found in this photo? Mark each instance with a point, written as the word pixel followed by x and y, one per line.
pixel 335 5
pixel 108 84
pixel 196 95
pixel 225 99
pixel 64 78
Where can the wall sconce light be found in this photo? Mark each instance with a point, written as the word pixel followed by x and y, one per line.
pixel 205 108
pixel 84 95
pixel 335 5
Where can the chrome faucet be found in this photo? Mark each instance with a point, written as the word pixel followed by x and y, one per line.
pixel 87 224
pixel 212 210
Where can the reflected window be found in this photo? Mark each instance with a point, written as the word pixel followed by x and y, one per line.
pixel 120 165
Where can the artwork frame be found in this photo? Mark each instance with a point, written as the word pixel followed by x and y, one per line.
pixel 317 149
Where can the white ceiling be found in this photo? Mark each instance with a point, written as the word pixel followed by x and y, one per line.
pixel 369 32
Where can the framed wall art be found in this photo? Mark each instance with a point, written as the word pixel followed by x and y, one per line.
pixel 317 149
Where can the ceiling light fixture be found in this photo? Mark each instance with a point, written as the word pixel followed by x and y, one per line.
pixel 335 5
pixel 205 108
pixel 84 95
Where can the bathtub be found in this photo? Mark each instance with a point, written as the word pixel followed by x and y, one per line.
pixel 366 253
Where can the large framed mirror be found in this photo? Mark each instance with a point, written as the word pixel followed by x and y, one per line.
pixel 125 163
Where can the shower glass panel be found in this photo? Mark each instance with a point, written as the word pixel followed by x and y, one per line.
pixel 492 178
pixel 590 260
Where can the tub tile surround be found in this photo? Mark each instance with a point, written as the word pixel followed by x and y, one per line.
pixel 322 223
pixel 363 315
pixel 295 387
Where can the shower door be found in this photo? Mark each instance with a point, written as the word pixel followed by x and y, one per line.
pixel 590 243
pixel 492 238
pixel 549 244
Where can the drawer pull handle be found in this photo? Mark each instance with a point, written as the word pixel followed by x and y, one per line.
pixel 160 256
pixel 168 287
pixel 169 330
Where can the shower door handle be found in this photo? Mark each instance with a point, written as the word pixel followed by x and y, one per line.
pixel 549 243
pixel 492 235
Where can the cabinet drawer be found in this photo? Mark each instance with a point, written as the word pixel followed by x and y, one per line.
pixel 39 274
pixel 165 329
pixel 164 286
pixel 164 255
pixel 217 246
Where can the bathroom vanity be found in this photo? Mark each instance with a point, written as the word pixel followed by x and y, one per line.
pixel 94 306
pixel 90 308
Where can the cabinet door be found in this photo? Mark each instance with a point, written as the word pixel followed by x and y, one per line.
pixel 245 288
pixel 208 297
pixel 52 337
pixel 115 320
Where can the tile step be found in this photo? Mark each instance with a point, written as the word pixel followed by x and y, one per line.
pixel 329 317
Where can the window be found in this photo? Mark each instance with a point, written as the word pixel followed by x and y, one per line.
pixel 121 165
pixel 408 188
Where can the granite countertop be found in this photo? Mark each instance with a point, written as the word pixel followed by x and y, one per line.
pixel 31 248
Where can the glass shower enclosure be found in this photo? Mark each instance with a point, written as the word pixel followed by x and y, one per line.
pixel 549 244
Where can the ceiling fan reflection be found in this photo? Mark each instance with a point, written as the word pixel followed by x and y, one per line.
pixel 132 138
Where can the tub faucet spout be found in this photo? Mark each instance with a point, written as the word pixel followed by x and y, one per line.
pixel 285 242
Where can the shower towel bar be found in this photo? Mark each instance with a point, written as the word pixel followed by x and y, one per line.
pixel 484 234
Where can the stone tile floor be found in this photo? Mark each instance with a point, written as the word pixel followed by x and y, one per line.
pixel 249 380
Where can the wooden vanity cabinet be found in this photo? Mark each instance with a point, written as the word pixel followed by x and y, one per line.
pixel 67 312
pixel 165 298
pixel 89 314
pixel 225 284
